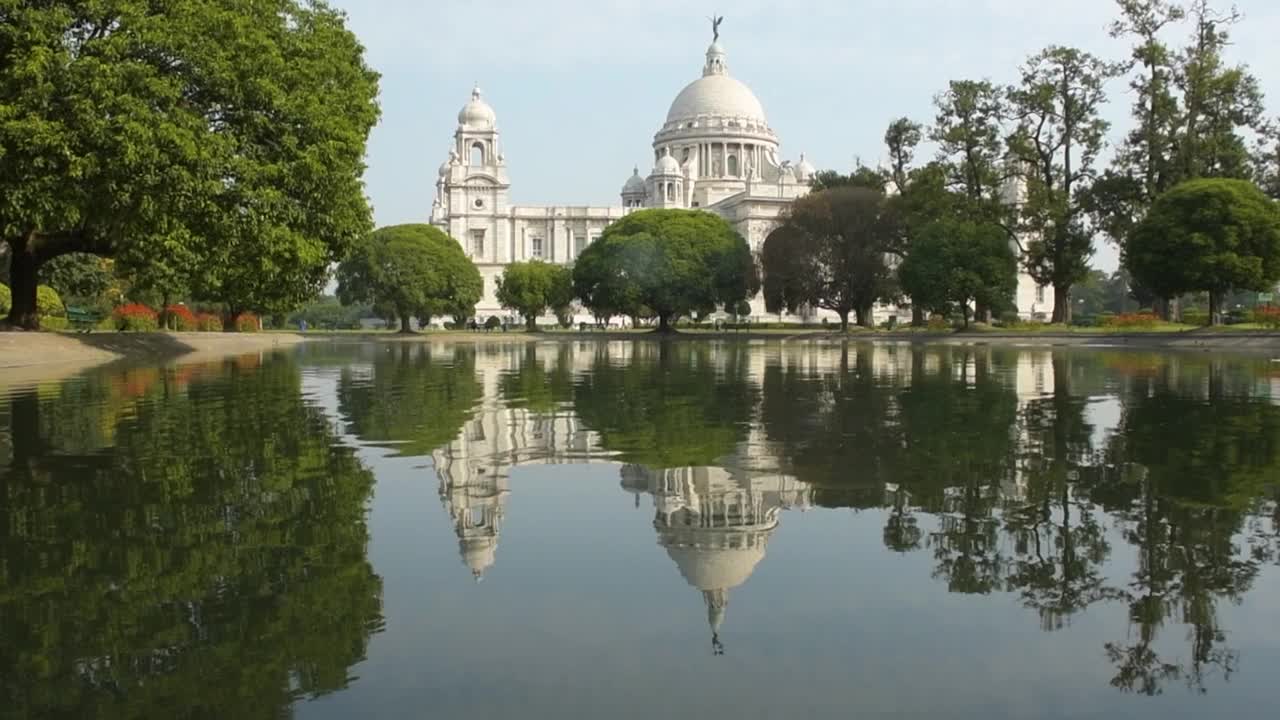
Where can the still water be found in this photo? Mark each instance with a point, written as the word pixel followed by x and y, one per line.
pixel 644 530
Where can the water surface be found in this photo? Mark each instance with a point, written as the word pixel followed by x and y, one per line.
pixel 639 529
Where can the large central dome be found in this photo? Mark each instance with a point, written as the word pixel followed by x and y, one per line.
pixel 717 96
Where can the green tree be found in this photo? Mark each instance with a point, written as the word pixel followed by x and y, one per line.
pixel 230 133
pixel 955 262
pixel 531 288
pixel 831 252
pixel 671 261
pixel 862 176
pixel 412 271
pixel 1060 135
pixel 967 130
pixel 1209 235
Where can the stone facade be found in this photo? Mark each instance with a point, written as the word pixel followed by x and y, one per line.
pixel 715 151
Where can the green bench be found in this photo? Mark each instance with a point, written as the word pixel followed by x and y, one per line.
pixel 82 319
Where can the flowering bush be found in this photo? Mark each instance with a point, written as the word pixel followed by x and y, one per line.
pixel 1267 316
pixel 180 317
pixel 135 317
pixel 1131 320
pixel 247 322
pixel 208 322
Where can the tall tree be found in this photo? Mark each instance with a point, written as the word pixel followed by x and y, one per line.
pixel 673 262
pixel 831 252
pixel 1210 235
pixel 235 130
pixel 1220 101
pixel 968 133
pixel 1060 135
pixel 411 271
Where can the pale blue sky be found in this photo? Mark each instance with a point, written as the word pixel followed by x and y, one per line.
pixel 580 86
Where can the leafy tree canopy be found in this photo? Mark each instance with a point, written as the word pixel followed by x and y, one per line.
pixel 955 262
pixel 1207 235
pixel 672 261
pixel 831 252
pixel 412 271
pixel 531 288
pixel 226 139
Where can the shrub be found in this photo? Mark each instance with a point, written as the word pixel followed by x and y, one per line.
pixel 938 323
pixel 48 304
pixel 135 317
pixel 247 322
pixel 742 308
pixel 1132 320
pixel 493 323
pixel 208 322
pixel 1267 317
pixel 180 317
pixel 50 322
pixel 6 299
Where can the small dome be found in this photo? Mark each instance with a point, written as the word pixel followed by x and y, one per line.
pixel 667 165
pixel 444 168
pixel 477 115
pixel 804 169
pixel 634 185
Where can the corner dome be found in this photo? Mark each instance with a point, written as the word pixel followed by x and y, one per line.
pixel 716 96
pixel 634 185
pixel 804 169
pixel 667 165
pixel 477 115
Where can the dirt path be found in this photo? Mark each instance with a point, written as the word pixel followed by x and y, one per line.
pixel 27 357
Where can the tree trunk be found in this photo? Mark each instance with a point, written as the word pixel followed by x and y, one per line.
pixel 863 316
pixel 964 315
pixel 23 266
pixel 229 320
pixel 664 323
pixel 1215 307
pixel 1163 308
pixel 405 327
pixel 1062 304
pixel 917 316
pixel 844 321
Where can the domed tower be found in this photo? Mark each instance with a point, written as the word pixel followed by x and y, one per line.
pixel 634 192
pixel 472 188
pixel 476 502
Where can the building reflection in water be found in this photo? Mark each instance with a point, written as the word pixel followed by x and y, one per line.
pixel 715 525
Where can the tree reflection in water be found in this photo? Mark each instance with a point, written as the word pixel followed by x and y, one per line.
pixel 169 534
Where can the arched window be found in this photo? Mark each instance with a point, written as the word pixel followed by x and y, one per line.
pixel 732 165
pixel 671 191
pixel 477 154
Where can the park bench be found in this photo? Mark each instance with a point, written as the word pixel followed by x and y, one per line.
pixel 82 319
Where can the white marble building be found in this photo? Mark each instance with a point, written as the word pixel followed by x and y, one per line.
pixel 715 151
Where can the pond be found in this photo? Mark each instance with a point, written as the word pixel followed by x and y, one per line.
pixel 642 529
